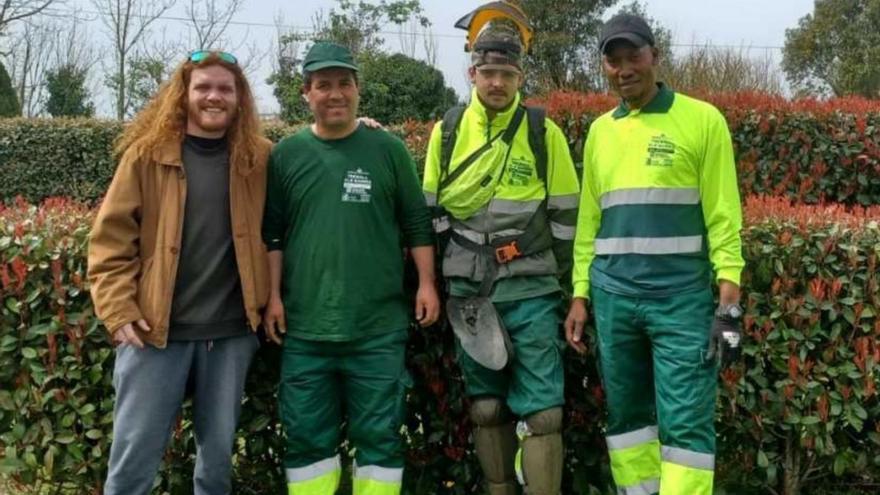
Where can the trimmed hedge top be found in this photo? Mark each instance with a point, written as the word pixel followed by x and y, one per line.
pixel 811 151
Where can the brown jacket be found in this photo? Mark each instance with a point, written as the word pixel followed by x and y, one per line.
pixel 135 240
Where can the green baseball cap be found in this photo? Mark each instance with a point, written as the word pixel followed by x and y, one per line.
pixel 324 55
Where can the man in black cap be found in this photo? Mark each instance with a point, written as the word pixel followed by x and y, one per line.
pixel 658 224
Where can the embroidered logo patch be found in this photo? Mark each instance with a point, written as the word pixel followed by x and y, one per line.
pixel 356 187
pixel 661 151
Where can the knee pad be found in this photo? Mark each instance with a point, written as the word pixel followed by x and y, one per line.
pixel 545 422
pixel 489 411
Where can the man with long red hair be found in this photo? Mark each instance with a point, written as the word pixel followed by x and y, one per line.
pixel 178 270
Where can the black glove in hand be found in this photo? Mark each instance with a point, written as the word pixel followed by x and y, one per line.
pixel 724 342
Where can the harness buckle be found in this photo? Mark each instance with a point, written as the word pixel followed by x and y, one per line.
pixel 507 252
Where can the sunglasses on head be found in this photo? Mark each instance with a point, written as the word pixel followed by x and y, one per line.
pixel 199 55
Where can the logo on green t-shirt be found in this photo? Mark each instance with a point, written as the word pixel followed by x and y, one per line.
pixel 356 187
pixel 661 151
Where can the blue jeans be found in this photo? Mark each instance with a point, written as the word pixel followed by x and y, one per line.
pixel 150 386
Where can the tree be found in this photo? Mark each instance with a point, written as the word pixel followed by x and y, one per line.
pixel 146 74
pixel 209 20
pixel 68 96
pixel 836 49
pixel 285 79
pixel 16 10
pixel 8 101
pixel 128 22
pixel 355 25
pixel 708 69
pixel 395 88
pixel 564 54
pixel 29 59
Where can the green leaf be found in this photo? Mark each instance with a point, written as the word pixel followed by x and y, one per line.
pixel 840 464
pixel 65 438
pixel 29 353
pixel 809 420
pixel 763 462
pixel 12 304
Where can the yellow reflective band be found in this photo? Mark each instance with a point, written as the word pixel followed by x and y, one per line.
pixel 637 464
pixel 375 487
pixel 683 480
pixel 320 478
pixel 649 487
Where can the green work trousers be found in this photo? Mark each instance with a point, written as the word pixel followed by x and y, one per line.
pixel 660 390
pixel 322 382
pixel 533 381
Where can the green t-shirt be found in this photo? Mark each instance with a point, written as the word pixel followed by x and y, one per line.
pixel 341 211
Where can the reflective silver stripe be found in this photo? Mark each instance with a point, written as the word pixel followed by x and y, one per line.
pixel 688 458
pixel 514 207
pixel 633 438
pixel 564 232
pixel 649 245
pixel 313 471
pixel 471 235
pixel 649 487
pixel 506 233
pixel 441 224
pixel 564 202
pixel 379 473
pixel 430 198
pixel 651 196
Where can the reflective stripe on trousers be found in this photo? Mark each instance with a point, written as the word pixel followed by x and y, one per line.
pixel 377 480
pixel 320 478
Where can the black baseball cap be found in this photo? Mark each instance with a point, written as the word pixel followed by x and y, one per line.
pixel 629 27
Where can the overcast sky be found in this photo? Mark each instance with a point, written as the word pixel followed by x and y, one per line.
pixel 756 25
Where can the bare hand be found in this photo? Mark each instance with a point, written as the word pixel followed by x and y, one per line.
pixel 126 334
pixel 371 123
pixel 728 292
pixel 427 304
pixel 574 325
pixel 273 319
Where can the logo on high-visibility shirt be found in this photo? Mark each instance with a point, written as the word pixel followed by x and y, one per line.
pixel 357 186
pixel 661 151
pixel 519 172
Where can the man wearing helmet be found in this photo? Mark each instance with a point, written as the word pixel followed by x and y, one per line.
pixel 505 194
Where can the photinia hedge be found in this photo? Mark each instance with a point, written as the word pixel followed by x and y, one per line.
pixel 808 150
pixel 799 415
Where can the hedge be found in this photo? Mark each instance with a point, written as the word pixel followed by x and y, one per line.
pixel 811 151
pixel 801 411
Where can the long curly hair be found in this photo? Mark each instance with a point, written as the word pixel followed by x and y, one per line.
pixel 164 118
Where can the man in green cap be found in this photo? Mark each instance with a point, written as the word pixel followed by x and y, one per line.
pixel 343 202
pixel 505 193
